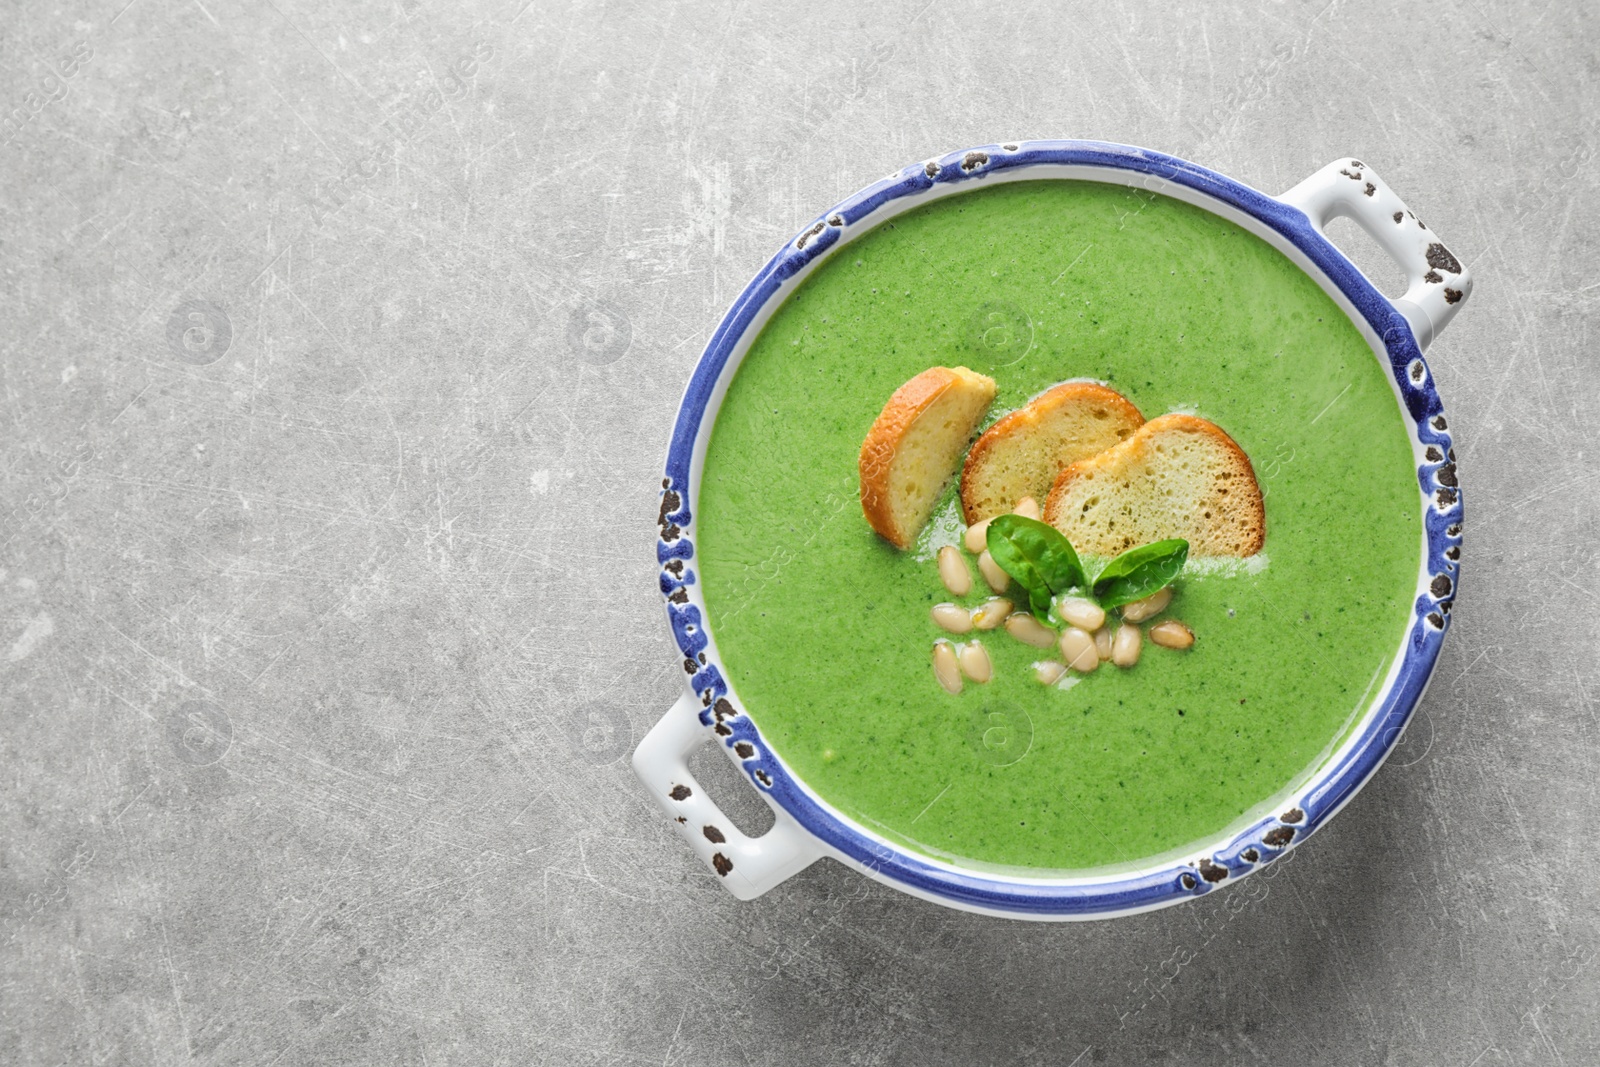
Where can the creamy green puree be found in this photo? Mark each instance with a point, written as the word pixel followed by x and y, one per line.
pixel 824 627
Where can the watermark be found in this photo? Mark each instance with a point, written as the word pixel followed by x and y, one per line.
pixel 1000 334
pixel 1554 182
pixel 402 126
pixel 1281 457
pixel 1150 987
pixel 49 87
pixel 54 891
pixel 864 73
pixel 600 734
pixel 759 575
pixel 199 332
pixel 199 733
pixel 598 333
pixel 58 480
pixel 1001 733
pixel 1254 85
pixel 1529 1029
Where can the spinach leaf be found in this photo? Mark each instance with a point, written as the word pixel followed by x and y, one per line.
pixel 1139 572
pixel 1037 557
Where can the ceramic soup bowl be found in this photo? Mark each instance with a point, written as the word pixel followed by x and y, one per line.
pixel 807 827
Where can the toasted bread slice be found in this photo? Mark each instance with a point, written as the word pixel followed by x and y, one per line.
pixel 1023 453
pixel 912 449
pixel 1177 476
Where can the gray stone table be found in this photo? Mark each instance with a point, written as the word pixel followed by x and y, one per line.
pixel 338 347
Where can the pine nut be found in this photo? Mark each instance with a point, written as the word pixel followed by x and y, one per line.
pixel 1172 634
pixel 975 662
pixel 1030 631
pixel 993 573
pixel 1081 612
pixel 953 571
pixel 952 617
pixel 977 536
pixel 1102 643
pixel 945 666
pixel 1125 646
pixel 1077 648
pixel 1150 606
pixel 991 613
pixel 1048 671
pixel 1028 508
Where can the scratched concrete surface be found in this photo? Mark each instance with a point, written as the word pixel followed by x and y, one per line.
pixel 340 344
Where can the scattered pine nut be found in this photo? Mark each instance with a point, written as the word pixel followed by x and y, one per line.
pixel 945 666
pixel 1027 507
pixel 952 617
pixel 953 571
pixel 993 573
pixel 1172 634
pixel 1030 631
pixel 1125 646
pixel 1048 671
pixel 1077 648
pixel 975 662
pixel 1102 643
pixel 991 613
pixel 1150 606
pixel 1081 612
pixel 977 536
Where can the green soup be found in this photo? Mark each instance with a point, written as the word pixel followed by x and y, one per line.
pixel 824 628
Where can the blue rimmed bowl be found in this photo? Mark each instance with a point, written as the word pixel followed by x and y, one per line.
pixel 806 827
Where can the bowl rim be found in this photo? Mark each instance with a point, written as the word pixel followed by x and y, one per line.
pixel 1237 851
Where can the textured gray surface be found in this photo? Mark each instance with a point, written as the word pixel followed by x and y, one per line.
pixel 294 636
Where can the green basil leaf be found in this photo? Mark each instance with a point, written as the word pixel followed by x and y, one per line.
pixel 1139 572
pixel 1036 555
pixel 1016 562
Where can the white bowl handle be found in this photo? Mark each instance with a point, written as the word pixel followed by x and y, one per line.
pixel 1438 283
pixel 748 866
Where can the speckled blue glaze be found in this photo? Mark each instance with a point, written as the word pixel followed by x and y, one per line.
pixel 1259 844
